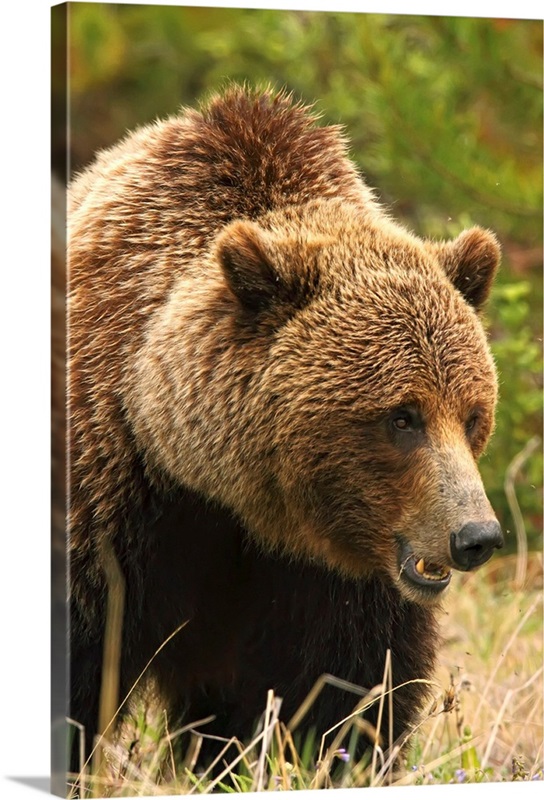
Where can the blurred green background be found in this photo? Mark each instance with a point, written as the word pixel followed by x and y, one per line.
pixel 444 116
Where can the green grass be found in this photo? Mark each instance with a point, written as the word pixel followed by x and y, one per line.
pixel 484 722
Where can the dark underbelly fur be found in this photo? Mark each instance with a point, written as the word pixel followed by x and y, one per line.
pixel 255 622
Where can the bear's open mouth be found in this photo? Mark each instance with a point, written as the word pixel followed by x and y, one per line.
pixel 420 572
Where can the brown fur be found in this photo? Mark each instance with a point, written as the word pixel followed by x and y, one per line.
pixel 244 319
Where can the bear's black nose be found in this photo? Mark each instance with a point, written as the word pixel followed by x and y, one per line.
pixel 474 543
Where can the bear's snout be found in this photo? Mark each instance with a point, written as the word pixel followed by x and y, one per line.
pixel 474 544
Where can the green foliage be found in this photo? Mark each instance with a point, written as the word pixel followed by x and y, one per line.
pixel 438 140
pixel 444 115
pixel 518 355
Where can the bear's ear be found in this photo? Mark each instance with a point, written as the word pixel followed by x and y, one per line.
pixel 470 262
pixel 243 251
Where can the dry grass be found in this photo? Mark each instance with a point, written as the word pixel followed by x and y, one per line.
pixel 484 723
pixel 493 662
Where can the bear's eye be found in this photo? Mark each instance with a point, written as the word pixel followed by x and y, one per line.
pixel 471 422
pixel 406 419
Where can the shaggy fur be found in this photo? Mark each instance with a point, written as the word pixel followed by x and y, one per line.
pixel 246 325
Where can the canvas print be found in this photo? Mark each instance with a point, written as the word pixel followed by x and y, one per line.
pixel 296 389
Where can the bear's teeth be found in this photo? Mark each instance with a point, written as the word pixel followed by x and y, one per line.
pixel 432 573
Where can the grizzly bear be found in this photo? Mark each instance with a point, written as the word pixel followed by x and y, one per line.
pixel 277 397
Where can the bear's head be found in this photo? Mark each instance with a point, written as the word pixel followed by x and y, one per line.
pixel 325 376
pixel 373 392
